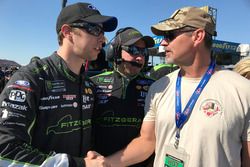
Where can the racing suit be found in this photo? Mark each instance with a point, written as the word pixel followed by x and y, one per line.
pixel 119 110
pixel 45 116
pixel 161 70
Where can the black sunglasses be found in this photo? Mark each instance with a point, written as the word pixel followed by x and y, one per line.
pixel 171 35
pixel 92 29
pixel 134 50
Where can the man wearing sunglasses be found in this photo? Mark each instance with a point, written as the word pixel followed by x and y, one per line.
pixel 199 115
pixel 121 92
pixel 46 108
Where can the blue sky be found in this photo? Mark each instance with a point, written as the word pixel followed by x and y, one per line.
pixel 28 26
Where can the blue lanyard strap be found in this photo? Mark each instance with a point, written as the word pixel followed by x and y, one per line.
pixel 181 117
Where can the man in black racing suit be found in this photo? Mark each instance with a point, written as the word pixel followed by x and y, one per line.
pixel 46 107
pixel 121 93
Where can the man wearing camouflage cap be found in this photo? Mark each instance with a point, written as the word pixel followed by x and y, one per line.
pixel 198 115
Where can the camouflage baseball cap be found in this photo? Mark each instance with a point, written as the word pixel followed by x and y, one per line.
pixel 187 16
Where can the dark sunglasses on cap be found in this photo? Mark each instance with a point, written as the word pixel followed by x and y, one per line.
pixel 92 29
pixel 134 50
pixel 171 35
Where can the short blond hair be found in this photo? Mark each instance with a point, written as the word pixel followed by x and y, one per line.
pixel 243 67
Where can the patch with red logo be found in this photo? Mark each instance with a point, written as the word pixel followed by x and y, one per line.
pixel 211 107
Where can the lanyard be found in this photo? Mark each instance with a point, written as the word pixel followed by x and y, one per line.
pixel 181 117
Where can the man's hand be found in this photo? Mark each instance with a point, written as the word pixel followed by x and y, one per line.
pixel 94 155
pixel 94 159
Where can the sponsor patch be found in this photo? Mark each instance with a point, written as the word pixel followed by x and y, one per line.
pixel 7 114
pixel 145 88
pixel 102 97
pixel 87 83
pixel 69 97
pixel 74 104
pixel 48 107
pixel 105 79
pixel 48 98
pixel 110 86
pixel 143 94
pixel 4 114
pixel 86 106
pixel 22 83
pixel 88 91
pixel 85 99
pixel 67 125
pixel 17 95
pixel 143 82
pixel 56 86
pixel 103 91
pixel 102 86
pixel 14 106
pixel 138 87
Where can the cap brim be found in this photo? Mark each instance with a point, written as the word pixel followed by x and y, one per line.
pixel 149 41
pixel 168 25
pixel 109 23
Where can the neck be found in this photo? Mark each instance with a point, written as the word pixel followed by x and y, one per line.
pixel 197 65
pixel 73 62
pixel 195 70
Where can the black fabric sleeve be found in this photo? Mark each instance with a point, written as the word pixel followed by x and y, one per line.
pixel 76 162
pixel 18 105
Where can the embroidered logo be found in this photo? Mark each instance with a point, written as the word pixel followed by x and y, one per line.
pixel 211 107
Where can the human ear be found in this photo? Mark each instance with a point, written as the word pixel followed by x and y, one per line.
pixel 198 35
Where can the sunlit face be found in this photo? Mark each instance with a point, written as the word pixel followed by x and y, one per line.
pixel 129 69
pixel 86 45
pixel 178 47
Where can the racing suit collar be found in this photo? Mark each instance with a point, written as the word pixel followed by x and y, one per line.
pixel 125 76
pixel 65 71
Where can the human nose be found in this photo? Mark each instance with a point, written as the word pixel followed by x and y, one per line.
pixel 165 42
pixel 139 58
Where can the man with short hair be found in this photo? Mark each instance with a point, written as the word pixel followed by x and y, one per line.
pixel 198 115
pixel 46 108
pixel 121 93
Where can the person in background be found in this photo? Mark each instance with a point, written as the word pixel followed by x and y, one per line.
pixel 198 115
pixel 121 93
pixel 99 65
pixel 2 79
pixel 34 59
pixel 161 70
pixel 47 106
pixel 243 67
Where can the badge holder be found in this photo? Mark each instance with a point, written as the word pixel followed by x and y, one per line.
pixel 175 157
